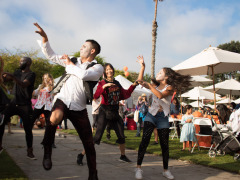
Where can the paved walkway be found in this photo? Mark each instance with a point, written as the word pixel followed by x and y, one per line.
pixel 109 168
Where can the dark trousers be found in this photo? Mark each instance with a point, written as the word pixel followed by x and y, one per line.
pixel 38 112
pixel 82 125
pixel 25 112
pixel 163 135
pixel 116 124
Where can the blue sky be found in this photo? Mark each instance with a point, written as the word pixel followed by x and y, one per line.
pixel 122 27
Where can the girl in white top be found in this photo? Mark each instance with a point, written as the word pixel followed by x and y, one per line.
pixel 44 102
pixel 157 116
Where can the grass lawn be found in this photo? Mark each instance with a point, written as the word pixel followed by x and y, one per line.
pixel 8 168
pixel 225 162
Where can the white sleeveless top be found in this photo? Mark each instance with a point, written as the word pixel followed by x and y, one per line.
pixel 163 103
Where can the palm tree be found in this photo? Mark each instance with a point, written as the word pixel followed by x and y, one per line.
pixel 154 38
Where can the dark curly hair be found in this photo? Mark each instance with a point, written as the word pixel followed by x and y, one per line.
pixel 179 82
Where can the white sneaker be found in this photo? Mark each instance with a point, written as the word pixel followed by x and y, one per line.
pixel 168 174
pixel 138 173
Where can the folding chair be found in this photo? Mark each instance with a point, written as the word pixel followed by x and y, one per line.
pixel 205 126
pixel 173 127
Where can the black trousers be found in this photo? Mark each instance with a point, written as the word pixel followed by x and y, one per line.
pixel 116 124
pixel 38 112
pixel 82 125
pixel 164 143
pixel 25 112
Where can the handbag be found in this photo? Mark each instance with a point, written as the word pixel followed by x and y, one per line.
pixel 136 116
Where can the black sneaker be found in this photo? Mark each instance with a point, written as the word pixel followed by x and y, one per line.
pixel 124 158
pixel 30 154
pixel 79 159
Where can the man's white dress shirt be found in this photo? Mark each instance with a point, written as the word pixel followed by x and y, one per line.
pixel 72 92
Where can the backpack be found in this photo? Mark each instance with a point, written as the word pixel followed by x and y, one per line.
pixel 88 85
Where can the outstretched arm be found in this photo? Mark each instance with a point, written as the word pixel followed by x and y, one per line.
pixel 46 48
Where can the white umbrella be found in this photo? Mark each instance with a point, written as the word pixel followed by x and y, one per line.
pixel 224 101
pixel 200 81
pixel 209 62
pixel 231 87
pixel 199 93
pixel 237 101
pixel 196 104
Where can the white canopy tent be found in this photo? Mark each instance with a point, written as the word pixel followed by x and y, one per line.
pixel 209 62
pixel 139 90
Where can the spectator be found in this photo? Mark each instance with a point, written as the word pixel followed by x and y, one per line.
pixel 188 129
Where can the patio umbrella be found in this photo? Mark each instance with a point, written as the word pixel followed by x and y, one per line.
pixel 209 62
pixel 224 101
pixel 200 81
pixel 231 87
pixel 196 104
pixel 198 93
pixel 237 101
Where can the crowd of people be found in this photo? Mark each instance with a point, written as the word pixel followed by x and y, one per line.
pixel 69 97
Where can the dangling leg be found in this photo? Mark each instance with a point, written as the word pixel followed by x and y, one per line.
pixel 51 126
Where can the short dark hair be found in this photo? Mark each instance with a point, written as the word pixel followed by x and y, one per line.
pixel 105 67
pixel 28 59
pixel 188 106
pixel 95 45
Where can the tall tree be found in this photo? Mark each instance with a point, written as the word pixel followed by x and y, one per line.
pixel 233 46
pixel 154 39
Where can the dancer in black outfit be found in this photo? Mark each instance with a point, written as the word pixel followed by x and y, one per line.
pixel 21 104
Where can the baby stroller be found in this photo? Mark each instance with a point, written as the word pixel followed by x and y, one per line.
pixel 225 141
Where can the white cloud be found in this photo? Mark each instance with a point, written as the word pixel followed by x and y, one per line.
pixel 123 28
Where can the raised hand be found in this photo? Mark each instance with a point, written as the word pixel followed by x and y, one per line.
pixel 68 61
pixel 141 60
pixel 144 84
pixel 41 32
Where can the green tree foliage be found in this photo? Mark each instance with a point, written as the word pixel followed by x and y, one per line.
pixel 57 70
pixel 39 66
pixel 233 46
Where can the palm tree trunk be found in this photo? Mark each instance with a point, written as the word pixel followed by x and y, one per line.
pixel 154 38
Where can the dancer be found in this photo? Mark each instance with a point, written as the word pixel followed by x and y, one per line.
pixel 44 100
pixel 112 92
pixel 70 102
pixel 157 115
pixel 24 80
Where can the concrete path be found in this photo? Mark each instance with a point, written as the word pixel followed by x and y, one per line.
pixel 109 168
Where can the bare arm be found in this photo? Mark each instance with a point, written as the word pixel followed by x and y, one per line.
pixel 160 95
pixel 141 62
